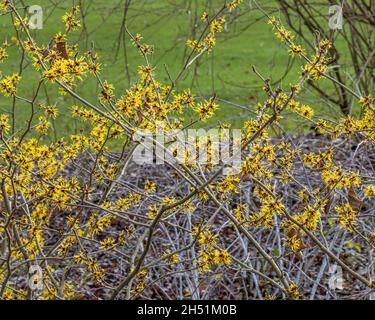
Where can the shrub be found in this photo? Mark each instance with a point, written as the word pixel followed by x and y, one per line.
pixel 90 223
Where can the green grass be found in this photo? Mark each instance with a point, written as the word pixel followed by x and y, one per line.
pixel 166 24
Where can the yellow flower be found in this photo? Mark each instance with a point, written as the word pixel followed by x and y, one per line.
pixel 269 297
pixel 8 294
pixel 306 111
pixel 233 5
pixel 43 125
pixel 217 25
pixel 168 201
pixel 51 112
pixel 153 211
pixel 273 21
pixel 105 222
pixel 4 5
pixel 210 40
pixel 222 257
pixel 8 85
pixel 347 216
pixel 107 93
pixel 107 243
pixel 70 20
pixel 204 16
pixel 229 184
pixel 3 54
pixel 366 101
pixel 284 34
pixel 4 123
pixel 240 213
pixel 172 259
pixel 370 191
pixel 150 187
pixel 206 109
pixel 294 291
pixel 296 50
pixel 207 239
pixel 145 72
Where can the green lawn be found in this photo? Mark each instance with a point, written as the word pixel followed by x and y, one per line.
pixel 166 24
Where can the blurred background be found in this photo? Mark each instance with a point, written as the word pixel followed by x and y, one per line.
pixel 247 40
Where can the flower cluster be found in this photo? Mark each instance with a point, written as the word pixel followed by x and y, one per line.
pixel 78 208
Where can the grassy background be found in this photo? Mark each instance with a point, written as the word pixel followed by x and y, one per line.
pixel 166 24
